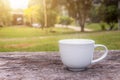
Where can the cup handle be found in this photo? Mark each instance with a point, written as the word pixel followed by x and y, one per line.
pixel 103 56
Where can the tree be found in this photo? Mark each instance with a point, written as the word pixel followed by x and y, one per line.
pixel 5 15
pixel 108 12
pixel 32 14
pixel 119 14
pixel 45 12
pixel 111 16
pixel 94 14
pixel 79 10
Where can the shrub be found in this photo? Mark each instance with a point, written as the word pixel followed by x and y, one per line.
pixel 65 20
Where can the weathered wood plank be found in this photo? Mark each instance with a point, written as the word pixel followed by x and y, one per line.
pixel 48 66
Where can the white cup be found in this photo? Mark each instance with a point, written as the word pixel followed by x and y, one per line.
pixel 77 54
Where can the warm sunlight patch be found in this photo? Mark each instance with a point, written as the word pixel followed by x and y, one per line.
pixel 16 4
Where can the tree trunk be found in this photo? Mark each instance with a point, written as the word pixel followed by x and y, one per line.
pixel 31 22
pixel 82 28
pixel 45 13
pixel 118 24
pixel 119 15
pixel 82 24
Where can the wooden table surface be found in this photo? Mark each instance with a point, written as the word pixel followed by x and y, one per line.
pixel 48 66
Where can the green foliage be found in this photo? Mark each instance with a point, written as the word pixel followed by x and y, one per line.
pixel 5 16
pixel 79 10
pixel 35 12
pixel 93 15
pixel 119 13
pixel 111 14
pixel 108 12
pixel 65 20
pixel 52 18
pixel 32 14
pixel 102 26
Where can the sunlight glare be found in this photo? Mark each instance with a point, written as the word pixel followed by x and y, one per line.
pixel 19 4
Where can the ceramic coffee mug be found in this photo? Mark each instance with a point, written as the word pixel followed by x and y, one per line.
pixel 77 54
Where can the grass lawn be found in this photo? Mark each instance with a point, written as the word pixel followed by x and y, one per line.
pixel 34 39
pixel 97 27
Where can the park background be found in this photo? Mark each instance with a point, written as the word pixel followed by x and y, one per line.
pixel 38 25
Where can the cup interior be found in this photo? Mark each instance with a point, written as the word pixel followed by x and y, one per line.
pixel 76 41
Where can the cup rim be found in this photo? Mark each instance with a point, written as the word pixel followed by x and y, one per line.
pixel 78 41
